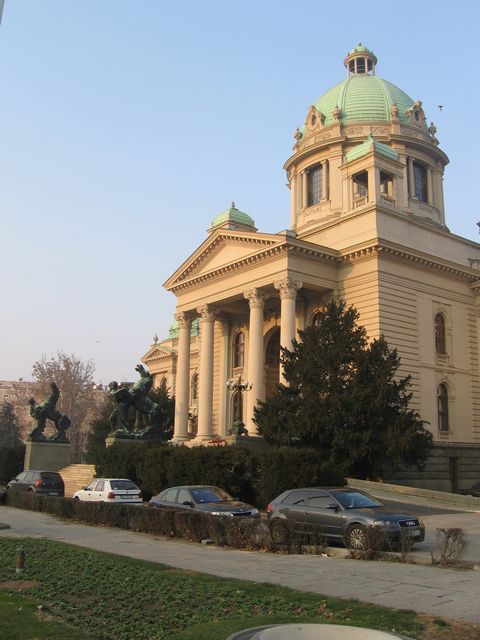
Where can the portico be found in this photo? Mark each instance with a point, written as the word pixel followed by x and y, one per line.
pixel 367 224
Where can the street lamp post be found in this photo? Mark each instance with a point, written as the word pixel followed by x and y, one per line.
pixel 238 387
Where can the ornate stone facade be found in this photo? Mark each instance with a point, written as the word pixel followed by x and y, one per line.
pixel 367 224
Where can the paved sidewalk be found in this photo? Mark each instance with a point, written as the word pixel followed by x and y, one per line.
pixel 443 592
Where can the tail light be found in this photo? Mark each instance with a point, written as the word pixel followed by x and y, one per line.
pixel 111 495
pixel 38 483
pixel 269 508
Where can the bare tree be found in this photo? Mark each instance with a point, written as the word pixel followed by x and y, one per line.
pixel 75 381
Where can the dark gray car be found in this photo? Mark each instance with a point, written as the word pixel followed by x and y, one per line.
pixel 339 514
pixel 48 483
pixel 203 498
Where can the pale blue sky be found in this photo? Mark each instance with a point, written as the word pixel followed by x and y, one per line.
pixel 127 125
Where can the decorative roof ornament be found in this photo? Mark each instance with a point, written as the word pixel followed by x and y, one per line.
pixel 233 218
pixel 155 339
pixel 432 130
pixel 360 61
pixel 394 112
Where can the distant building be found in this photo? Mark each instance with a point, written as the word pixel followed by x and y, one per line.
pixel 368 225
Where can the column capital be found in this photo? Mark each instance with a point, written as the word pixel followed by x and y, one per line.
pixel 255 297
pixel 288 287
pixel 184 318
pixel 207 312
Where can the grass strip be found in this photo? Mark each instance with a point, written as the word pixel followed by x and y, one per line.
pixel 109 597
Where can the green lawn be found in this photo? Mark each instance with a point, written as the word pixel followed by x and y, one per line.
pixel 111 597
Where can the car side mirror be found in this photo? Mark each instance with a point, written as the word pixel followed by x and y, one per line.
pixel 333 506
pixel 188 503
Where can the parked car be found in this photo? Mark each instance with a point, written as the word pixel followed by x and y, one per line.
pixel 204 498
pixel 338 514
pixel 473 491
pixel 119 490
pixel 48 483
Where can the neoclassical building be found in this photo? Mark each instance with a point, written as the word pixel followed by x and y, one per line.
pixel 368 225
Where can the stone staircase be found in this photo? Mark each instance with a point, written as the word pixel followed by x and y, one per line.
pixel 76 476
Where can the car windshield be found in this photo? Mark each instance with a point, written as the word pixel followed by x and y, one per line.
pixel 51 477
pixel 355 500
pixel 122 485
pixel 209 494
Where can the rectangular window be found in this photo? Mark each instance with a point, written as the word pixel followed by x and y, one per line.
pixel 420 182
pixel 315 186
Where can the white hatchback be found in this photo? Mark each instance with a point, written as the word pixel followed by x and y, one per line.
pixel 118 490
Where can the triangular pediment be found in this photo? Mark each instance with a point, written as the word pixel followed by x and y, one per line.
pixel 223 247
pixel 157 351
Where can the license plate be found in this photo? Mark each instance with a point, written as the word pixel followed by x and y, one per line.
pixel 124 497
pixel 413 532
pixel 53 493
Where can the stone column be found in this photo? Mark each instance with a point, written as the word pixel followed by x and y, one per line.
pixel 411 179
pixel 225 351
pixel 325 181
pixel 430 195
pixel 287 288
pixel 182 384
pixel 293 200
pixel 205 376
pixel 438 186
pixel 256 366
pixel 304 189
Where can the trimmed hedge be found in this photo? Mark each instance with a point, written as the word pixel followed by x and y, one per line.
pixel 253 476
pixel 241 533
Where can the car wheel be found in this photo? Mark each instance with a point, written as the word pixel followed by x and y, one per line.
pixel 76 498
pixel 356 537
pixel 279 531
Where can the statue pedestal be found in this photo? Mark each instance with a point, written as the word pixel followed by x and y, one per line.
pixel 249 442
pixel 47 456
pixel 111 440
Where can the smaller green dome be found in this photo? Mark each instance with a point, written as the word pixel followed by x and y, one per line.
pixel 233 218
pixel 175 329
pixel 368 145
pixel 360 48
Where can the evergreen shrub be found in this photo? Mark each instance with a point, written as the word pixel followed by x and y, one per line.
pixel 11 462
pixel 253 476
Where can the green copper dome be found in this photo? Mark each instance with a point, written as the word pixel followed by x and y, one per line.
pixel 232 218
pixel 363 98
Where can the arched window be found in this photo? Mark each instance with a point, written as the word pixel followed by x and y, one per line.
pixel 440 335
pixel 272 356
pixel 420 182
pixel 314 186
pixel 238 349
pixel 442 407
pixel 194 387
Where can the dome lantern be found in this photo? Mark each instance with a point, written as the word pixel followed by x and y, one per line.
pixel 360 61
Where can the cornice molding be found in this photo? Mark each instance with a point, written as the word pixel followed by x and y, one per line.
pixel 330 256
pixel 404 255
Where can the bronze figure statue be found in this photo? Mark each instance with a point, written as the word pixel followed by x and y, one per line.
pixel 48 409
pixel 148 414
